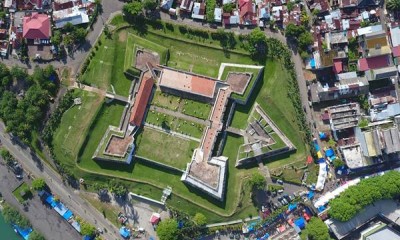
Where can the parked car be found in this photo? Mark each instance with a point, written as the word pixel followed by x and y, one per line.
pixel 280 191
pixel 286 197
pixel 279 181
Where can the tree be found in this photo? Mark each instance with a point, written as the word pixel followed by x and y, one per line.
pixel 228 8
pixel 257 181
pixel 11 215
pixel 56 39
pixel 294 31
pixel 87 229
pixel 5 154
pixel 290 6
pixel 316 229
pixel 167 229
pixel 199 219
pixel 68 40
pixel 68 27
pixel 79 34
pixel 210 10
pixel 337 163
pixel 38 184
pixel 305 40
pixel 258 44
pixel 118 188
pixel 304 18
pixel 393 5
pixel 34 235
pixel 133 9
pixel 149 4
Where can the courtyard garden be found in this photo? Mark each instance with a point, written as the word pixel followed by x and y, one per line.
pixel 165 148
pixel 186 106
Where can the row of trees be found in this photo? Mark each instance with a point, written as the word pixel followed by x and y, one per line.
pixel 23 113
pixel 316 229
pixel 355 198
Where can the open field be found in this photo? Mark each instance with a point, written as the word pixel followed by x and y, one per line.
pixel 72 130
pixel 164 148
pixel 170 123
pixel 186 106
pixel 106 66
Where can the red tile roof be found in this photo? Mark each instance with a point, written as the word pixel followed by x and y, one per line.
pixel 396 51
pixel 337 66
pixel 141 101
pixel 365 64
pixel 36 26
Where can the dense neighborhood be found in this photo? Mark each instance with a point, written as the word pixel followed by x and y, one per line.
pixel 200 119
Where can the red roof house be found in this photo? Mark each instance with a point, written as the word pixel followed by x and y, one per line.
pixel 365 64
pixel 246 12
pixel 36 26
pixel 396 51
pixel 142 97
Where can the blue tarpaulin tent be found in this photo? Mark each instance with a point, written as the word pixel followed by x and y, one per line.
pixel 321 208
pixel 124 232
pixel 310 195
pixel 322 135
pixel 292 206
pixel 23 232
pixel 300 222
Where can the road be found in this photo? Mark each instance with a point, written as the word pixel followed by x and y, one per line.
pixel 42 218
pixel 71 198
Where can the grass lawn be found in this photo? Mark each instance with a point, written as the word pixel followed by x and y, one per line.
pixel 186 106
pixel 277 105
pixel 106 68
pixel 109 211
pixel 164 148
pixel 109 114
pixel 196 58
pixel 75 122
pixel 23 192
pixel 178 125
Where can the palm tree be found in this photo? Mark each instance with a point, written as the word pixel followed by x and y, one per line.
pixel 393 5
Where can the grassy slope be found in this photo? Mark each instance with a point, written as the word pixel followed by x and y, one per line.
pixel 271 94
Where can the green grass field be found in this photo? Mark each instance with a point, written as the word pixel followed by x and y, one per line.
pixel 23 192
pixel 186 106
pixel 109 114
pixel 72 130
pixel 196 58
pixel 164 148
pixel 106 67
pixel 178 125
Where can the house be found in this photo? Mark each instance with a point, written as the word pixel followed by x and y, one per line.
pixel 346 87
pixel 199 10
pixel 375 44
pixel 186 6
pixel 166 4
pixel 218 15
pixel 141 100
pixel 32 4
pixel 365 64
pixel 231 19
pixel 74 15
pixel 395 36
pixel 36 28
pixel 367 3
pixel 247 12
pixel 381 73
pixel 396 55
pixel 62 4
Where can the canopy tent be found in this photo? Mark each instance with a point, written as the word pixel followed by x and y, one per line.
pixel 155 218
pixel 324 199
pixel 316 145
pixel 322 135
pixel 300 222
pixel 321 177
pixel 329 152
pixel 125 233
pixel 310 195
pixel 23 232
pixel 319 155
pixel 292 206
pixel 309 160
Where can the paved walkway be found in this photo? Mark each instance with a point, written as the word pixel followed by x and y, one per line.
pixel 180 115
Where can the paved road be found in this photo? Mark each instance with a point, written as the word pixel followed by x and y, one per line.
pixel 71 199
pixel 74 62
pixel 43 219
